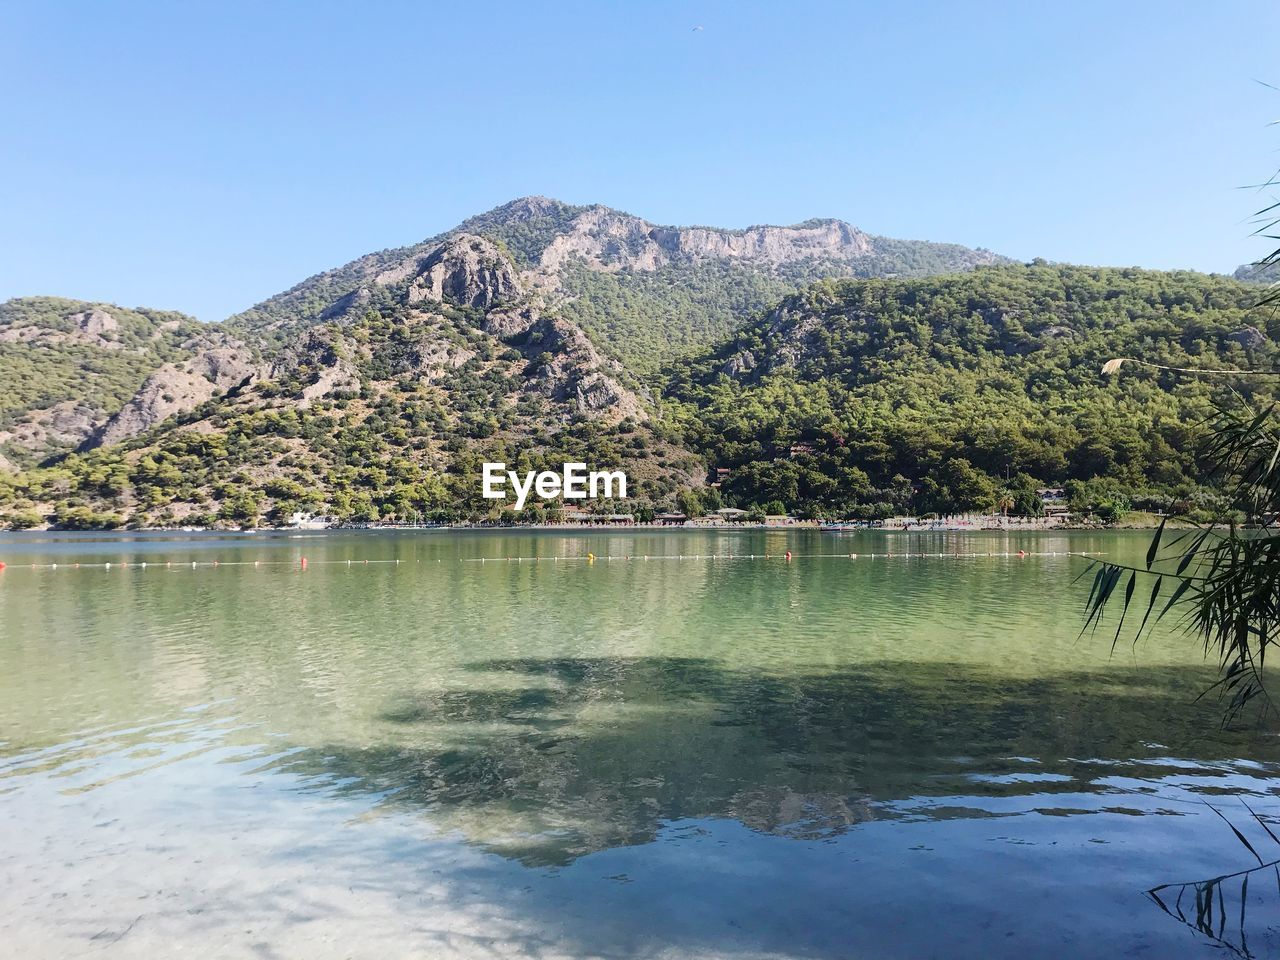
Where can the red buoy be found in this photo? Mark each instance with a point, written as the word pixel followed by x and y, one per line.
pixel 788 554
pixel 304 563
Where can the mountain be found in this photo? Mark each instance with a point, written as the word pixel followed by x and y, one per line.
pixel 540 333
pixel 644 292
pixel 383 406
pixel 67 366
pixel 882 396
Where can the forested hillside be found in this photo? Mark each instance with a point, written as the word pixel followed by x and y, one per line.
pixel 958 392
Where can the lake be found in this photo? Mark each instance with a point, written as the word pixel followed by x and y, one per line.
pixel 681 749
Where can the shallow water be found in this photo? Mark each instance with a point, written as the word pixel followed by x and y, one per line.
pixel 722 755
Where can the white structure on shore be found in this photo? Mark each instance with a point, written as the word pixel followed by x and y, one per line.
pixel 307 521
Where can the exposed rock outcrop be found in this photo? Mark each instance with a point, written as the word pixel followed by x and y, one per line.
pixel 222 364
pixel 95 322
pixel 64 424
pixel 93 327
pixel 465 270
pixel 576 372
pixel 1248 337
pixel 610 240
pixel 1058 332
pixel 330 369
pixel 349 306
pixel 771 245
pixel 743 361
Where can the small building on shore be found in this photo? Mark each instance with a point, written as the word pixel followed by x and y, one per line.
pixel 307 521
pixel 1053 501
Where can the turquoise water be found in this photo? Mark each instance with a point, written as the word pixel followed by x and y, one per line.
pixel 680 749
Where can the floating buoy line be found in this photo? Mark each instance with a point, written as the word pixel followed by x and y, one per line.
pixel 302 563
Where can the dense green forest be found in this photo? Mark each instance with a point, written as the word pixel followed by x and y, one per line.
pixel 645 317
pixel 966 392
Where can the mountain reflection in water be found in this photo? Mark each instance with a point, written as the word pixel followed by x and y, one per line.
pixel 576 755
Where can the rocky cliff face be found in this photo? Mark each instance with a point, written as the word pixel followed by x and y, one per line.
pixel 772 245
pixel 566 367
pixel 610 240
pixel 330 370
pixel 1249 337
pixel 465 270
pixel 547 236
pixel 94 327
pixel 219 364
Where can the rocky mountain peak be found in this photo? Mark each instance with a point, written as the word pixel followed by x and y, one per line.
pixel 464 269
pixel 528 208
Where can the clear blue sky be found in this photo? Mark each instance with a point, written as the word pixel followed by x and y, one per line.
pixel 202 156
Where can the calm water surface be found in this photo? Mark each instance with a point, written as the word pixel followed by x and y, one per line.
pixel 711 757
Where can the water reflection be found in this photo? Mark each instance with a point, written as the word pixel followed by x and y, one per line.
pixel 575 755
pixel 1222 908
pixel 800 749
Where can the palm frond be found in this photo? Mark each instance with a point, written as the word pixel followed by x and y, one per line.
pixel 1224 577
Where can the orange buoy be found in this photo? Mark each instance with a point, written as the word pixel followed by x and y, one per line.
pixel 1 564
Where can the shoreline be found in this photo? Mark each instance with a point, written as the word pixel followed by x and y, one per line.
pixel 813 526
